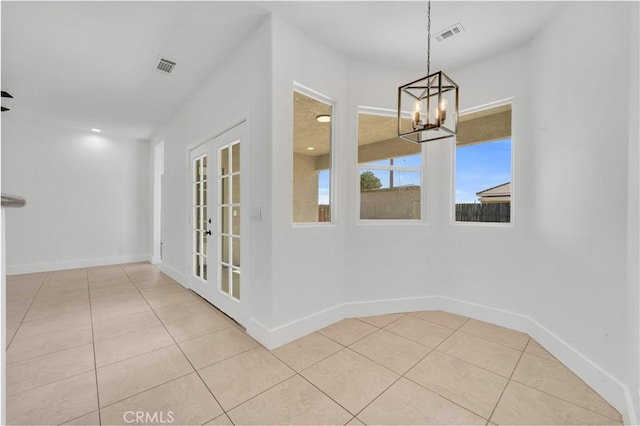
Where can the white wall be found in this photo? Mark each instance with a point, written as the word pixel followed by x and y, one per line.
pixel 583 238
pixel 88 200
pixel 560 271
pixel 238 90
pixel 307 260
pixel 633 213
pixel 401 261
pixel 157 171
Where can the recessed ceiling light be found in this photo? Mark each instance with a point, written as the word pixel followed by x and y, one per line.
pixel 323 118
pixel 96 130
pixel 310 148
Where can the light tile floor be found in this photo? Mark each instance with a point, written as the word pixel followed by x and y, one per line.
pixel 128 345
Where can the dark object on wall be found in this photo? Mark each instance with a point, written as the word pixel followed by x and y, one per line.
pixel 5 95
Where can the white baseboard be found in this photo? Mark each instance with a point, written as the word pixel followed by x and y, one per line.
pixel 173 273
pixel 610 388
pixel 260 332
pixel 75 264
pixel 272 338
pixel 156 260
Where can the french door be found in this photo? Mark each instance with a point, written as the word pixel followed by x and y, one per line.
pixel 216 223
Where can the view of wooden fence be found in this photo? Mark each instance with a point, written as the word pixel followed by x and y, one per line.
pixel 493 212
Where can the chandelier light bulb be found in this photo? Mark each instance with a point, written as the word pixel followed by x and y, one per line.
pixel 443 109
pixel 417 110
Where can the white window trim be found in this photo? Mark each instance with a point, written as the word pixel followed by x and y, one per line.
pixel 452 204
pixel 333 198
pixel 422 169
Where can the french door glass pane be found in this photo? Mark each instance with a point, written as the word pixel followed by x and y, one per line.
pixel 224 161
pixel 199 217
pixel 225 250
pixel 224 279
pixel 235 258
pixel 235 154
pixel 236 221
pixel 236 189
pixel 236 283
pixel 224 188
pixel 229 218
pixel 224 216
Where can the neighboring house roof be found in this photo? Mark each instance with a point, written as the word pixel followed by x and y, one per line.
pixel 503 190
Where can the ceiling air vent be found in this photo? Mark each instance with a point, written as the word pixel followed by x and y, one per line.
pixel 449 32
pixel 165 65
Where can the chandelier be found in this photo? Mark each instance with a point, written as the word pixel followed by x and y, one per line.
pixel 428 99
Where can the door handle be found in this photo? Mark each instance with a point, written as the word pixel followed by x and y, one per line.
pixel 208 232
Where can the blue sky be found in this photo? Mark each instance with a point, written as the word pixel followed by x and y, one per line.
pixel 478 167
pixel 481 166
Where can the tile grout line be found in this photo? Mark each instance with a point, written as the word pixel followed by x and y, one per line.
pixel 217 417
pixel 402 315
pixel 295 373
pixel 562 399
pixel 467 319
pixel 493 341
pixel 437 393
pixel 93 342
pixel 557 361
pixel 357 340
pixel 180 349
pixel 49 317
pixel 310 365
pixel 53 382
pixel 445 326
pixel 299 373
pixel 48 354
pixel 471 334
pixel 418 384
pixel 400 376
pixel 146 390
pixel 323 392
pixel 201 335
pixel 508 381
pixel 352 419
pixel 26 312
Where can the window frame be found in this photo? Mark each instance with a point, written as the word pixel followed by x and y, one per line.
pixel 359 166
pixel 452 205
pixel 333 204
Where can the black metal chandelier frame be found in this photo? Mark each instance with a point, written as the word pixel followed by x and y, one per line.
pixel 436 89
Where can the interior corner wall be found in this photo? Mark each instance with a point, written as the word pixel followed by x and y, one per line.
pixel 307 259
pixel 633 218
pixel 239 89
pixel 87 195
pixel 561 267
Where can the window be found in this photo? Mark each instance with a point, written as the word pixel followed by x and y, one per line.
pixel 312 158
pixel 390 171
pixel 483 166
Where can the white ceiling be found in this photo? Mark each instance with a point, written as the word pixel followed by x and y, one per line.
pixel 92 64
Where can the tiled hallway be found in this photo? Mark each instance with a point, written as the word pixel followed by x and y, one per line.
pixel 128 345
